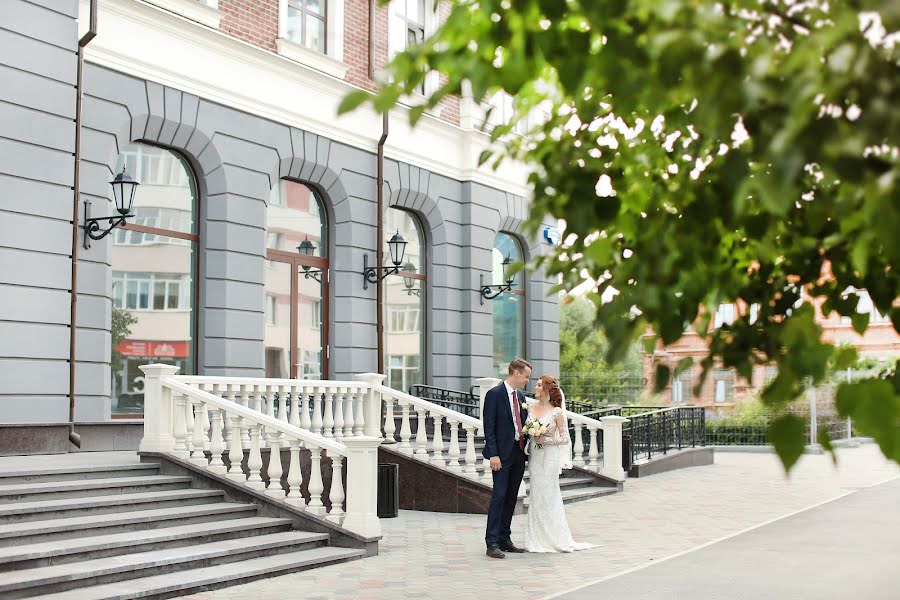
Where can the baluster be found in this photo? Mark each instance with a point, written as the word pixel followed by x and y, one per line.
pixel 336 494
pixel 339 413
pixel 317 410
pixel 181 434
pixel 274 470
pixel 405 430
pixel 437 440
pixel 359 419
pixel 389 426
pixel 205 418
pixel 593 454
pixel 190 424
pixel 226 421
pixel 454 446
pixel 198 457
pixel 349 412
pixel 235 450
pixel 258 393
pixel 295 477
pixel 578 446
pixel 315 487
pixel 217 443
pixel 328 420
pixel 282 407
pixel 270 411
pixel 305 423
pixel 471 456
pixel 421 434
pixel 254 461
pixel 244 400
pixel 295 410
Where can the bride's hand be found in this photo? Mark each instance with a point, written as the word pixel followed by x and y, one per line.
pixel 539 440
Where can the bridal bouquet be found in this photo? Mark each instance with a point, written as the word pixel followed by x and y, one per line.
pixel 534 429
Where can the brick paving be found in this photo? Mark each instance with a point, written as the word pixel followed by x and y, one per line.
pixel 436 555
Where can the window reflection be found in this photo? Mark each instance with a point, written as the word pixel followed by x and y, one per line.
pixel 508 308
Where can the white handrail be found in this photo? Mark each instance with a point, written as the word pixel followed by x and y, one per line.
pixel 177 384
pixel 198 379
pixel 430 406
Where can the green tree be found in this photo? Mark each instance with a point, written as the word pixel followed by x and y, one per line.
pixel 120 329
pixel 700 153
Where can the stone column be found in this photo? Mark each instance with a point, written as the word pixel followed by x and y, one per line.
pixel 612 447
pixel 362 486
pixel 159 412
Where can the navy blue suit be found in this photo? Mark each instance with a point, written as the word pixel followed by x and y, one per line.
pixel 500 440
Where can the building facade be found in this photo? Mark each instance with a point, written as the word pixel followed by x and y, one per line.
pixel 724 389
pixel 256 209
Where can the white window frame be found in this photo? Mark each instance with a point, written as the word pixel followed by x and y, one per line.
pixel 205 12
pixel 330 63
pixel 271 310
pixel 432 20
pixel 680 385
pixel 721 379
pixel 723 316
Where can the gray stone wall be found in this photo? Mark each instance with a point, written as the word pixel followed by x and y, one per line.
pixel 237 158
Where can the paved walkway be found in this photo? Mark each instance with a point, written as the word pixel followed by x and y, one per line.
pixel 847 548
pixel 441 556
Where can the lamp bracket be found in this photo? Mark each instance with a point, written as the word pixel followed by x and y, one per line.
pixel 92 228
pixel 489 292
pixel 376 274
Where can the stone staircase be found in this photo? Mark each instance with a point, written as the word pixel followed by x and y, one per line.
pixel 123 530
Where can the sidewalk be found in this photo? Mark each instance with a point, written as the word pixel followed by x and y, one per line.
pixel 441 556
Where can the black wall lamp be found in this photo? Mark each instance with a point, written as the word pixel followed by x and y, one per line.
pixel 123 187
pixel 307 248
pixel 409 282
pixel 489 292
pixel 397 247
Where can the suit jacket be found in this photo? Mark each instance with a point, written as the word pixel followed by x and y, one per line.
pixel 499 428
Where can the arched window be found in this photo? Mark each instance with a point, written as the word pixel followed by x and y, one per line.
pixel 296 338
pixel 154 266
pixel 404 306
pixel 509 308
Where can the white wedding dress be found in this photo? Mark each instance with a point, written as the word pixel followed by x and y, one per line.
pixel 546 528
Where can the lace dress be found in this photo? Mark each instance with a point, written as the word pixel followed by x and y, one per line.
pixel 546 527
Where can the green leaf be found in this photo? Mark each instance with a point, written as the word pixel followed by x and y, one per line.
pixel 484 156
pixel 683 365
pixel 824 440
pixel 788 434
pixel 662 378
pixel 860 322
pixel 352 101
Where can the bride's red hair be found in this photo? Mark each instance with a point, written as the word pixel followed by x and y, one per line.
pixel 551 385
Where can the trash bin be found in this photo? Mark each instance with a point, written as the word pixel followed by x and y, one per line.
pixel 388 490
pixel 626 452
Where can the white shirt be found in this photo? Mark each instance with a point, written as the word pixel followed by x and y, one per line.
pixel 513 407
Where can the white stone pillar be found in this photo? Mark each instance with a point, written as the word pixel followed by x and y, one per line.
pixel 371 404
pixel 362 486
pixel 612 447
pixel 159 411
pixel 484 384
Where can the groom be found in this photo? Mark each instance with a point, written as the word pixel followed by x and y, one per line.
pixel 504 445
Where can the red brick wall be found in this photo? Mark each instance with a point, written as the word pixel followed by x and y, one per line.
pixel 253 21
pixel 256 22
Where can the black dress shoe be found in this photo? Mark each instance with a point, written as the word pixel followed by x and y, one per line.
pixel 510 547
pixel 494 552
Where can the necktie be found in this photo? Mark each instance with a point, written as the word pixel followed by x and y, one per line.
pixel 515 409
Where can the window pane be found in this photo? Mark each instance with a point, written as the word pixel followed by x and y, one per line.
pixel 315 34
pixel 506 245
pixel 294 25
pixel 292 221
pixel 508 320
pixel 316 6
pixel 166 195
pixel 152 291
pixel 277 338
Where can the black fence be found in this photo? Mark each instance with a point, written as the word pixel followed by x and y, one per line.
pixel 462 402
pixel 659 431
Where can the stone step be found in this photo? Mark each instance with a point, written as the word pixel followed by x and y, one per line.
pixel 78 472
pixel 58 552
pixel 580 494
pixel 34 532
pixel 184 582
pixel 57 578
pixel 117 503
pixel 80 488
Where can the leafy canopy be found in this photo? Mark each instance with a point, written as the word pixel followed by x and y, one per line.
pixel 700 153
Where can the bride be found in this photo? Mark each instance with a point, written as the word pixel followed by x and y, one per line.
pixel 546 529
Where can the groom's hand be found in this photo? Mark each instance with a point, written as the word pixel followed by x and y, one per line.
pixel 495 463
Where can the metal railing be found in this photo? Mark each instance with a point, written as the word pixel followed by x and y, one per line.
pixel 462 402
pixel 616 387
pixel 659 431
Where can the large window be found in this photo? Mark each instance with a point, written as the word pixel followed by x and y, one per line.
pixel 509 308
pixel 681 388
pixel 408 23
pixel 724 382
pixel 154 261
pixel 296 278
pixel 404 307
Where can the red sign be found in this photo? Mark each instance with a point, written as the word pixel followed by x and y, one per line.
pixel 154 349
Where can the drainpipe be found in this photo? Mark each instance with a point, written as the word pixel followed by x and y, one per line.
pixel 91 33
pixel 379 194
